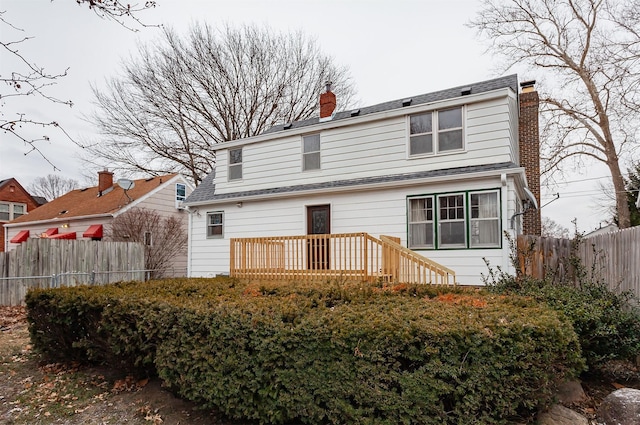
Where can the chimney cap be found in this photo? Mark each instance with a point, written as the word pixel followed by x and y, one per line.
pixel 328 85
pixel 527 86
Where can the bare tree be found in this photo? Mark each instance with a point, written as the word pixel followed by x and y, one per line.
pixel 29 78
pixel 52 186
pixel 552 229
pixel 163 237
pixel 125 14
pixel 589 51
pixel 184 95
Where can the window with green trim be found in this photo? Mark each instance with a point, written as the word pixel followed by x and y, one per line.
pixel 457 220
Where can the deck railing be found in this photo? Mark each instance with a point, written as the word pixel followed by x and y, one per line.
pixel 347 255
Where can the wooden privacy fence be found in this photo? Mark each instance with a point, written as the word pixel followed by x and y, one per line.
pixel 46 263
pixel 356 256
pixel 613 258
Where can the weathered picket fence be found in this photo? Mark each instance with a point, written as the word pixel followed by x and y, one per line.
pixel 612 258
pixel 46 263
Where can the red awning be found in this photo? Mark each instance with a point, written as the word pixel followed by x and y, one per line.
pixel 94 231
pixel 70 235
pixel 50 232
pixel 22 236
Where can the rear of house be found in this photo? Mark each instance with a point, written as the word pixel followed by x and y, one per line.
pixel 441 172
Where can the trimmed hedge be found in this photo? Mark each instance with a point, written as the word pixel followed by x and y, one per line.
pixel 332 353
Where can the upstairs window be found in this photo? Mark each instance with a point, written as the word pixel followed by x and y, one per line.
pixel 448 136
pixel 181 192
pixel 311 152
pixel 449 130
pixel 148 239
pixel 18 210
pixel 235 164
pixel 5 213
pixel 215 221
pixel 10 210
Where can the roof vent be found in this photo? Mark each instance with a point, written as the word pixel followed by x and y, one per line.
pixel 287 126
pixel 355 112
pixel 406 102
pixel 465 91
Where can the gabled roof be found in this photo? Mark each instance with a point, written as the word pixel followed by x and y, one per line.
pixel 37 200
pixel 509 81
pixel 86 202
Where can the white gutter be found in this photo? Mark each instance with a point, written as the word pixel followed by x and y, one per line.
pixel 363 187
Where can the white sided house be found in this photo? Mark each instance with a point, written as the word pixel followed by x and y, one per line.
pixel 443 174
pixel 87 214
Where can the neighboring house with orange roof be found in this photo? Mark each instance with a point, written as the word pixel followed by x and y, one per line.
pixel 15 201
pixel 87 213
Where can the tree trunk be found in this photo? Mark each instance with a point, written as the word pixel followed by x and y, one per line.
pixel 622 206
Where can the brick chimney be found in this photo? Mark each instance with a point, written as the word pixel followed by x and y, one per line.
pixel 529 135
pixel 105 181
pixel 327 102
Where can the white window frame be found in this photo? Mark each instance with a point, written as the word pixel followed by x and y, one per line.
pixel 235 165
pixel 11 210
pixel 209 225
pixel 306 153
pixel 181 198
pixel 436 132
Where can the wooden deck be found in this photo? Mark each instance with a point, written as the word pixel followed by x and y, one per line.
pixel 353 256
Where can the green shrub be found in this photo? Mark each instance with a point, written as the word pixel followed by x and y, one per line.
pixel 607 324
pixel 333 353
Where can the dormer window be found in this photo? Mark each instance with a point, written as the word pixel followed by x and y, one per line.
pixel 436 132
pixel 311 152
pixel 235 164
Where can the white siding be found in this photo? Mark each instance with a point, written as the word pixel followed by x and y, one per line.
pixel 163 202
pixel 372 149
pixel 375 212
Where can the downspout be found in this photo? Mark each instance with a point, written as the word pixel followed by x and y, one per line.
pixel 504 196
pixel 189 239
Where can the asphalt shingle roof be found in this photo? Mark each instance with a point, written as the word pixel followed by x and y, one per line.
pixel 82 202
pixel 509 81
pixel 206 190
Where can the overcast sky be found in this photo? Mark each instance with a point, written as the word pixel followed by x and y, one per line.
pixel 394 49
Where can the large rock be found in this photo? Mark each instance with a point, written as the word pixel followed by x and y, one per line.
pixel 560 415
pixel 571 392
pixel 621 407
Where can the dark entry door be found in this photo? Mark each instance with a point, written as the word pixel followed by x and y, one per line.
pixel 318 223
